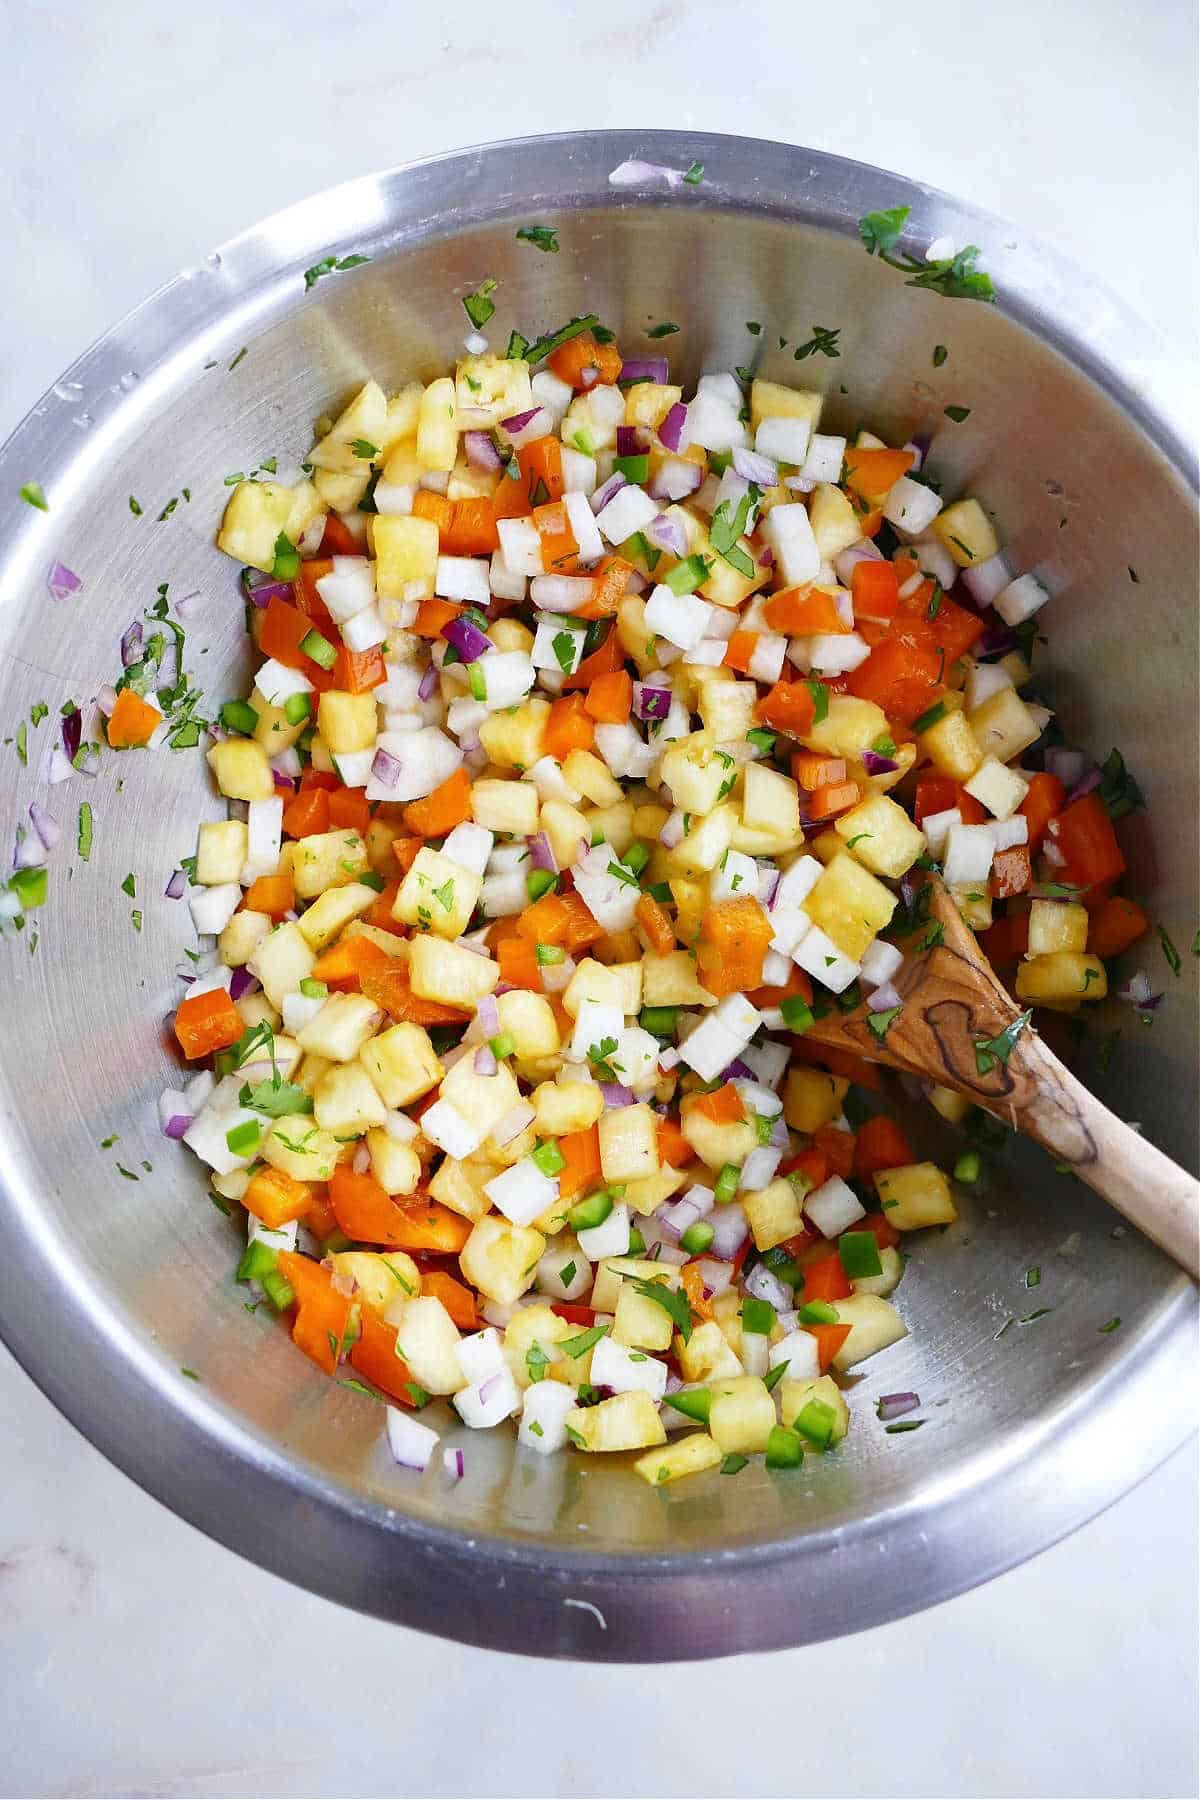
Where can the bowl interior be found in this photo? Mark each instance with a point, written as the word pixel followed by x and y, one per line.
pixel 121 1271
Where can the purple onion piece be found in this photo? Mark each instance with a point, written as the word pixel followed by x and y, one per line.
pixel 670 432
pixel 737 1070
pixel 261 589
pixel 875 764
pixel 386 768
pixel 616 1094
pixel 61 581
pixel 427 689
pixel 468 640
pixel 631 440
pixel 541 856
pixel 488 1014
pixel 884 998
pixel 650 702
pixel 606 490
pixel 47 827
pixel 1091 781
pixel 770 888
pixel 481 452
pixel 242 982
pixel 286 784
pixel 761 470
pixel 131 645
pixel 488 1388
pixel 894 1406
pixel 518 421
pixel 72 733
pixel 485 1061
pixel 668 534
pixel 176 1126
pixel 176 887
pixel 645 368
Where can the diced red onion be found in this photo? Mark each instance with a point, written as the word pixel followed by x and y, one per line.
pixel 186 604
pixel 631 440
pixel 61 581
pixel 730 1230
pixel 584 850
pixel 485 1061
pixel 670 432
pixel 360 1162
pixel 425 691
pixel 588 377
pixel 779 1133
pixel 671 834
pixel 1088 785
pixel 177 1125
pixel 176 887
pixel 541 856
pixel 481 451
pixel 645 368
pixel 737 1070
pixel 769 888
pixel 616 1094
pixel 894 1406
pixel 29 851
pixel 106 699
pixel 1069 765
pixel 131 644
pixel 386 768
pixel 262 591
pixel 761 470
pixel 468 640
pixel 606 490
pixel 454 1465
pixel 513 1124
pixel 884 998
pixel 47 827
pixel 487 1388
pixel 875 764
pixel 766 559
pixel 285 783
pixel 518 421
pixel 72 732
pixel 411 1443
pixel 668 534
pixel 1138 992
pixel 997 640
pixel 650 702
pixel 242 982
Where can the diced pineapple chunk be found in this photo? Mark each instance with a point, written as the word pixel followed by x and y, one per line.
pixel 997 787
pixel 347 722
pixel 241 769
pixel 563 1107
pixel 516 739
pixel 696 770
pixel 345 1101
pixel 281 962
pixel 437 894
pixel 649 403
pixel 949 1103
pixel 850 905
pixel 298 1147
pixel 341 1028
pixel 772 400
pixel 707 1354
pixel 974 903
pixel 341 490
pixel 774 1213
pixel 647 1195
pixel 395 1166
pixel 1003 726
pixel 689 1455
pixel 427 1340
pixel 390 942
pixel 742 1415
pixel 641 1324
pixel 220 852
pixel 365 421
pixel 770 802
pixel 333 910
pixel 241 938
pixel 625 1422
pixel 565 826
pixel 794 1396
pixel 327 859
pixel 848 728
pixel 835 524
pixel 1060 978
pixel 449 973
pixel 628 1143
pixel 437 427
pixel 402 1063
pixel 874 1324
pixel 591 779
pixel 539 1326
pixel 529 1020
pixel 257 512
pixel 406 553
pixel 671 980
pixel 509 808
pixel 891 1269
pixel 914 1196
pixel 612 824
pixel 715 1143
pixel 460 1185
pixel 382 1277
pixel 967 533
pixel 881 835
pixel 726 709
pixel 706 839
pixel 952 746
pixel 613 1272
pixel 812 1098
pixel 482 1099
pixel 274 731
pixel 493 384
pixel 501 1259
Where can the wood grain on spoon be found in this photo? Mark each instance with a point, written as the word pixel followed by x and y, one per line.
pixel 960 1028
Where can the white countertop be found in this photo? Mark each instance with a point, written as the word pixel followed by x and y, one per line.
pixel 136 1657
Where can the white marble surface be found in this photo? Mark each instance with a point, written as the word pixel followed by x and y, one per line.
pixel 135 1656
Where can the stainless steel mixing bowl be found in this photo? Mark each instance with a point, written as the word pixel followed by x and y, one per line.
pixel 109 1287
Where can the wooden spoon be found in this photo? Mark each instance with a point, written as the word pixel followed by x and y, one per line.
pixel 960 1028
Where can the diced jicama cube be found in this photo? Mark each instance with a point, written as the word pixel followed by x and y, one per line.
pixel 713 422
pixel 625 751
pixel 630 509
pixel 462 578
pixel 579 474
pixel 611 901
pixel 984 680
pixel 969 852
pixel 1006 833
pixel 558 646
pixel 626 1371
pixel 836 654
pixel 584 525
pixel 834 1207
pixel 799 1351
pixel 212 908
pixel 505 677
pixel 937 826
pixel 911 506
pixel 445 1126
pixel 789 533
pixel 544 1411
pixel 787 441
pixel 997 787
pixel 766 661
pixel 426 758
pixel 736 877
pixel 1020 599
pixel 880 962
pixel 522 1193
pixel 823 461
pixel 681 619
pixel 986 579
pixel 505 582
pixel 277 683
pixel 520 546
pixel 348 588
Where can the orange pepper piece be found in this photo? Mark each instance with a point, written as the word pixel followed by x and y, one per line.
pixel 735 936
pixel 610 698
pixel 439 812
pixel 133 721
pixel 207 1022
pixel 276 1198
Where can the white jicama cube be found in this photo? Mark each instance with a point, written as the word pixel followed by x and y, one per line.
pixel 969 852
pixel 564 1274
pixel 298 1009
pixel 507 677
pixel 552 393
pixel 1020 599
pixel 789 532
pixel 481 1355
pixel 520 546
pixel 551 783
pixel 630 509
pixel 788 441
pixel 446 1127
pixel 594 1023
pixel 819 956
pixel 824 459
pixel 277 683
pixel 790 924
pixel 609 1238
pixel 522 1193
pixel 836 653
pixel 934 560
pixel 212 910
pixel 834 1207
pixel 349 588
pixel 354 766
pixel 798 882
pixel 427 757
pixel 462 578
pixel 544 1411
pixel 986 579
pixel 611 901
pixel 506 583
pixel 937 827
pixel 470 845
pixel 737 877
pixel 997 787
pixel 1007 833
pixel 709 1048
pixel 393 498
pixel 880 962
pixel 627 1371
pixel 221 848
pixel 713 422
pixel 637 1052
pixel 580 516
pixel 579 473
pixel 488 1403
pixel 911 507
pixel 799 1351
pixel 682 619
pixel 625 752
pixel 558 646
pixel 766 660
pixel 738 1017
pixel 365 630
pixel 984 680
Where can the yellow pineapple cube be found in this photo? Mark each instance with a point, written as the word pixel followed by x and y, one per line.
pixel 282 961
pixel 742 1415
pixel 671 980
pixel 449 973
pixel 772 400
pixel 380 1277
pixel 967 533
pixel 874 1324
pixel 257 512
pixel 689 1455
pixel 298 1147
pixel 364 421
pixel 516 739
pixel 848 728
pixel 406 553
pixel 241 769
pixel 509 808
pixel 274 732
pixel 460 1185
pixel 221 850
pixel 812 1098
pixel 437 427
pixel 565 1106
pixel 327 859
pixel 345 1101
pixel 395 1166
pixel 649 403
pixel 437 894
pixel 1003 726
pixel 1060 977
pixel 880 835
pixel 341 1028
pixel 501 1259
pixel 628 1143
pixel 402 1063
pixel 493 384
pixel 952 746
pixel 332 911
pixel 835 524
pixel 707 1354
pixel 794 1396
pixel 625 1422
pixel 529 1020
pixel 714 1143
pixel 915 1195
pixel 773 1213
pixel 347 722
pixel 590 778
pixel 564 825
pixel 850 905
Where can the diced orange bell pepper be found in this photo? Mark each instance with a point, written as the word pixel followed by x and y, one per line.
pixel 319 1218
pixel 207 1022
pixel 611 578
pixel 388 985
pixel 541 465
pixel 604 661
pixel 341 967
pixel 872 474
pixel 801 611
pixel 571 361
pixel 306 812
pixel 560 551
pixel 797 983
pixel 338 539
pixel 810 1164
pixel 271 894
pixel 581 1149
pixel 433 616
pixel 843 1063
pixel 1115 925
pixel 692 1280
pixel 609 700
pixel 879 1144
pixel 723 1106
pixel 307 595
pixel 437 509
pixel 902 678
pixel 373 1357
pixel 789 707
pixel 133 721
pixel 322 1322
pixel 830 1339
pixel 276 1198
pixel 380 913
pixel 811 771
pixel 458 1300
pixel 472 530
pixel 1012 872
pixel 439 812
pixel 280 629
pixel 884 1233
pixel 739 651
pixel 1007 939
pixel 825 1279
pixel 655 921
pixel 674 1151
pixel 1087 840
pixel 874 590
pixel 519 966
pixel 837 1147
pixel 561 920
pixel 568 727
pixel 1044 799
pixel 349 811
pixel 365 1211
pixel 828 802
pixel 358 671
pixel 735 936
pixel 319 778
pixel 934 794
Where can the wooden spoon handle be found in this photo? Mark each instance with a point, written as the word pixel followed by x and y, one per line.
pixel 1150 1190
